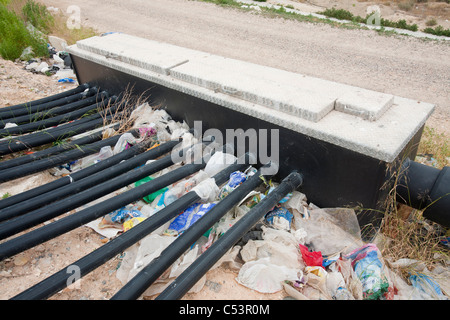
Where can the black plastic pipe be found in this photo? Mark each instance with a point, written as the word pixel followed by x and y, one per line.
pixel 93 260
pixel 127 174
pixel 57 96
pixel 63 225
pixel 51 135
pixel 186 280
pixel 96 136
pixel 425 188
pixel 14 205
pixel 33 117
pixel 61 158
pixel 6 114
pixel 83 184
pixel 150 273
pixel 53 121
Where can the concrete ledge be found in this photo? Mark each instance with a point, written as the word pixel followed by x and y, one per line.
pixel 371 123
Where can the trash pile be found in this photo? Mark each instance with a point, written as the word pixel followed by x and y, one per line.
pixel 58 65
pixel 309 252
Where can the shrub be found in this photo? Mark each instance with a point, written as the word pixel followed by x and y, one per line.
pixel 38 15
pixel 340 14
pixel 431 22
pixel 438 31
pixel 15 37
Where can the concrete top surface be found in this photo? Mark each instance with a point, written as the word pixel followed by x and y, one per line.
pixel 372 123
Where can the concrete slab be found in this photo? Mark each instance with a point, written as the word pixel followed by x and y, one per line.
pixel 375 124
pixel 155 56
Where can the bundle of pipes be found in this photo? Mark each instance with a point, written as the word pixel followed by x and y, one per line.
pixel 52 120
pixel 81 187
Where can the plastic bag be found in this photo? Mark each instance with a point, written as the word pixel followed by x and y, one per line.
pixel 313 258
pixel 270 261
pixel 264 276
pixel 336 286
pixel 236 178
pixel 124 142
pixel 279 218
pixel 116 218
pixel 207 190
pixel 149 198
pixel 368 266
pixel 103 154
pixel 426 288
pixel 183 221
pixel 218 162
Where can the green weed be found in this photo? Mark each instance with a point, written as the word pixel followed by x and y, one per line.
pixel 38 16
pixel 15 37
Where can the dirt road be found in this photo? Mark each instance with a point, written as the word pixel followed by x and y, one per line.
pixel 402 66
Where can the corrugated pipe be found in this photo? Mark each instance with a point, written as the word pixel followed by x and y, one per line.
pixel 425 188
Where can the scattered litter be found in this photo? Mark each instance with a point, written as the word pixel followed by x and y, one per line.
pixel 368 265
pixel 65 80
pixel 307 251
pixel 188 217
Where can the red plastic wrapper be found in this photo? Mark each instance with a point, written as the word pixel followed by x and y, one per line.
pixel 311 258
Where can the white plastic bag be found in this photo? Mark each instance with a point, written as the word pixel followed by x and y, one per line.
pixel 207 190
pixel 121 144
pixel 218 162
pixel 265 277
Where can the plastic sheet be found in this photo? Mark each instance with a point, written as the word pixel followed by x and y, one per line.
pixel 271 261
pixel 324 232
pixel 219 161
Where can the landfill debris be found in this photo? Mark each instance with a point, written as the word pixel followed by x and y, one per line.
pixel 58 64
pixel 188 217
pixel 310 253
pixel 368 265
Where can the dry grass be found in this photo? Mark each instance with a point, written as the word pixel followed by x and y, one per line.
pixel 61 30
pixel 126 103
pixel 409 235
pixel 435 145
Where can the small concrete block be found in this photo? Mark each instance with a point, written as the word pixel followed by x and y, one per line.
pixel 368 105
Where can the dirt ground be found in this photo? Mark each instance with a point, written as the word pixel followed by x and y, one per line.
pixel 406 67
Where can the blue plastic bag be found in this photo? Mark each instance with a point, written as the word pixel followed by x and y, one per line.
pixel 189 217
pixel 66 80
pixel 427 286
pixel 279 212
